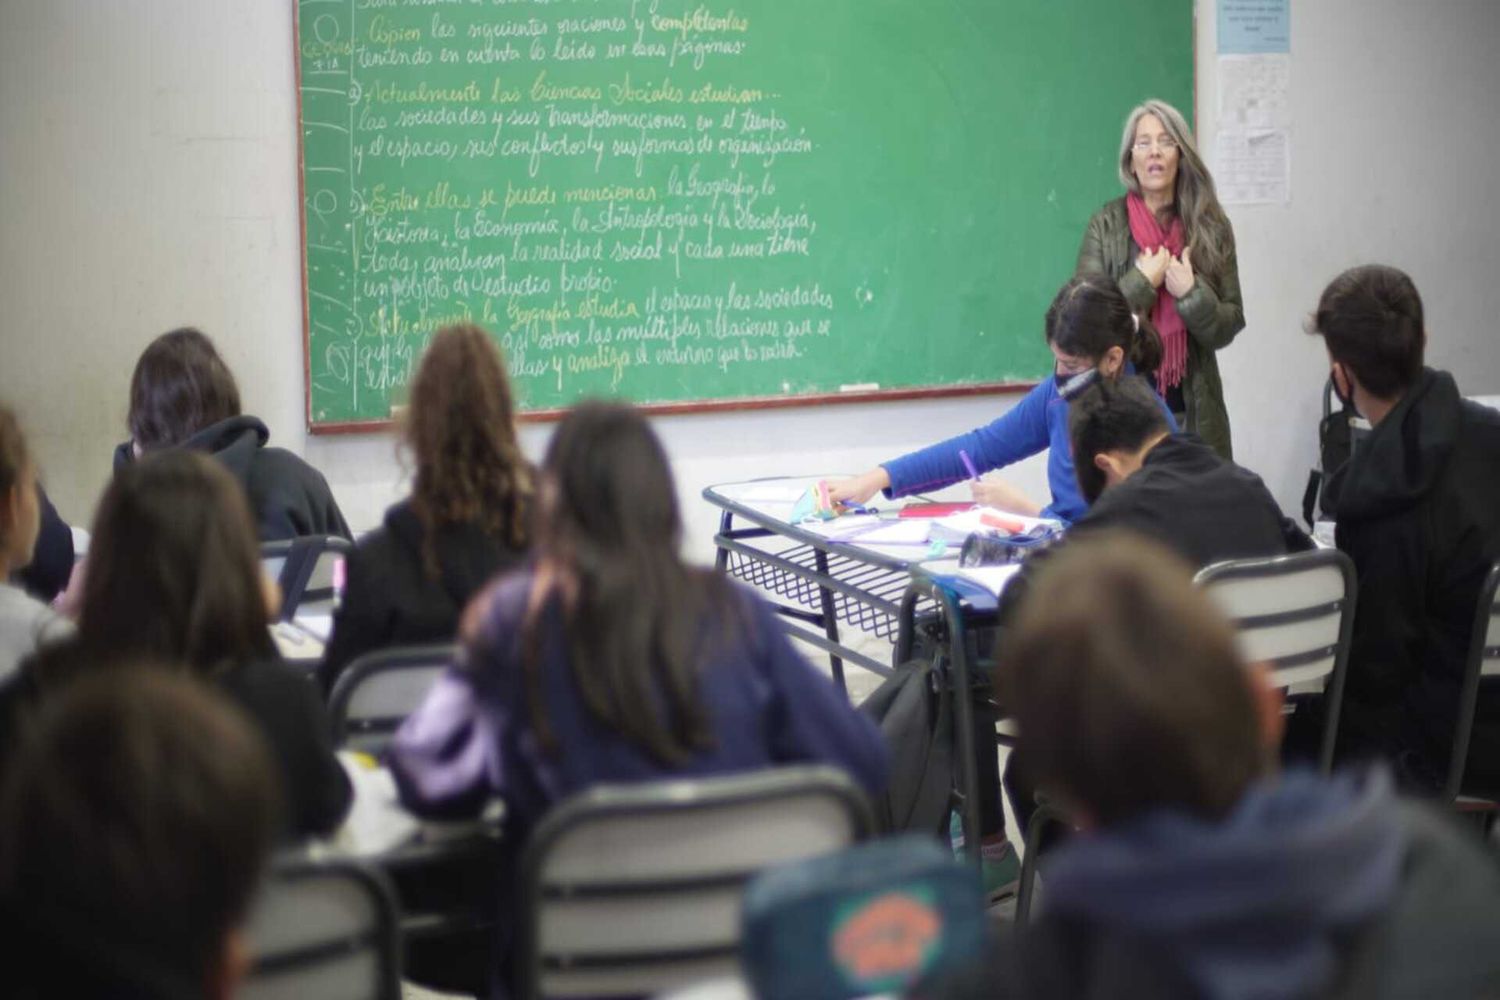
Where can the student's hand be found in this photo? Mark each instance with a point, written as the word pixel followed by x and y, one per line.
pixel 999 494
pixel 860 488
pixel 1154 265
pixel 1180 274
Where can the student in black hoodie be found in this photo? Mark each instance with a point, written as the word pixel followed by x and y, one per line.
pixel 468 516
pixel 1418 510
pixel 182 395
pixel 1136 474
pixel 1200 871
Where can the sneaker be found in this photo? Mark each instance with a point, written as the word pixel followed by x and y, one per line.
pixel 1000 867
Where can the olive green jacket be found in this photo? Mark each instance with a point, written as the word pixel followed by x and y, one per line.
pixel 1211 310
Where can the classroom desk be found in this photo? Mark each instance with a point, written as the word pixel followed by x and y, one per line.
pixel 822 581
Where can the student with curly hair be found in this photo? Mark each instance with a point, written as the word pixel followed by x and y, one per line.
pixel 468 514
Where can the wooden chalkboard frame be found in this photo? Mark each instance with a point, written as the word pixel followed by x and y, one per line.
pixel 358 427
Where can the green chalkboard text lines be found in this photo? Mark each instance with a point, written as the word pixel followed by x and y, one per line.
pixel 619 231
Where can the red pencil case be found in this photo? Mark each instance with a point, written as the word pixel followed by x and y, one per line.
pixel 935 509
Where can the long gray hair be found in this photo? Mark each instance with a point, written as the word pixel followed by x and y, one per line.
pixel 1205 227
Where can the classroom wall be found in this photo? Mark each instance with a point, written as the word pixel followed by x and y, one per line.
pixel 149 180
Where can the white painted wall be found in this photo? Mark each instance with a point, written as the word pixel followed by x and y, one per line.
pixel 148 180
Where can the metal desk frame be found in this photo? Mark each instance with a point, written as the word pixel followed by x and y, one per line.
pixel 822 581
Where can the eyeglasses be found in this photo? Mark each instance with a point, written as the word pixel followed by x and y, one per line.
pixel 1166 144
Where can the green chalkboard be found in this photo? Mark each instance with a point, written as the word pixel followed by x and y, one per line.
pixel 679 201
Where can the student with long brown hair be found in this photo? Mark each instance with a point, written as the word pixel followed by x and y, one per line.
pixel 174 576
pixel 612 660
pixel 468 516
pixel 25 622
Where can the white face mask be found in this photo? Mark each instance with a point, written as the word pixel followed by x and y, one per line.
pixel 1071 386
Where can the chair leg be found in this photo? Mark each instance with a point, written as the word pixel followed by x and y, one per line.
pixel 1045 816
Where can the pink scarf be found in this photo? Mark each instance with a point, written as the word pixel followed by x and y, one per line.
pixel 1148 235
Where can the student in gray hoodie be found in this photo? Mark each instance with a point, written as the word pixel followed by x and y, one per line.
pixel 1199 870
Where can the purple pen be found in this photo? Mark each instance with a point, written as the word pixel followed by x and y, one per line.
pixel 968 464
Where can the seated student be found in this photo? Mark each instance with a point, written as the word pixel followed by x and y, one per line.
pixel 1199 870
pixel 468 515
pixel 183 396
pixel 1089 328
pixel 25 622
pixel 1135 473
pixel 134 826
pixel 1418 510
pixel 174 575
pixel 51 565
pixel 1170 487
pixel 611 660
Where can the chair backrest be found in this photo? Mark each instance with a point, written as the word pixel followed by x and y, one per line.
pixel 636 889
pixel 326 929
pixel 304 568
pixel 378 690
pixel 1483 661
pixel 1294 613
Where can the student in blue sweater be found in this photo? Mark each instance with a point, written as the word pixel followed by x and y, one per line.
pixel 1089 328
pixel 611 660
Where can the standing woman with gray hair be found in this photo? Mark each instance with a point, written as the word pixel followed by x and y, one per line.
pixel 1170 247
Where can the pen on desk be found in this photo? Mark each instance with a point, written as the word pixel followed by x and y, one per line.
pixel 968 464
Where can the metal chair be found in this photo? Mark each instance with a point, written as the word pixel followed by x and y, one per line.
pixel 1294 613
pixel 1483 662
pixel 630 890
pixel 323 928
pixel 378 690
pixel 304 568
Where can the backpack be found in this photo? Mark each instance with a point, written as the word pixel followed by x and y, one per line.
pixel 914 711
pixel 1337 435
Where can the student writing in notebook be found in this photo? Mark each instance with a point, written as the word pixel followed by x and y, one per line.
pixel 612 660
pixel 1089 328
pixel 467 518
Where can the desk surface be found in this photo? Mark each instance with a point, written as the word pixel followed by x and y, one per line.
pixel 769 502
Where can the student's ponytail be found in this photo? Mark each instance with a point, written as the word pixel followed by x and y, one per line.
pixel 1090 315
pixel 1145 347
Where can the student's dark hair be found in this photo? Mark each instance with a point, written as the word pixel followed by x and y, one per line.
pixel 1118 416
pixel 14 455
pixel 173 569
pixel 1125 680
pixel 461 427
pixel 633 612
pixel 135 820
pixel 1090 314
pixel 1371 319
pixel 180 386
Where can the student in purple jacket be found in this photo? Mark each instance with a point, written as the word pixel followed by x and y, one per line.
pixel 1090 328
pixel 611 660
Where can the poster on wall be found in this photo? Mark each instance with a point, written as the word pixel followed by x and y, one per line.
pixel 1253 142
pixel 1254 27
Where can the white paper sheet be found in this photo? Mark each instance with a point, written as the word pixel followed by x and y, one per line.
pixel 772 493
pixel 992 578
pixel 1254 92
pixel 1253 167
